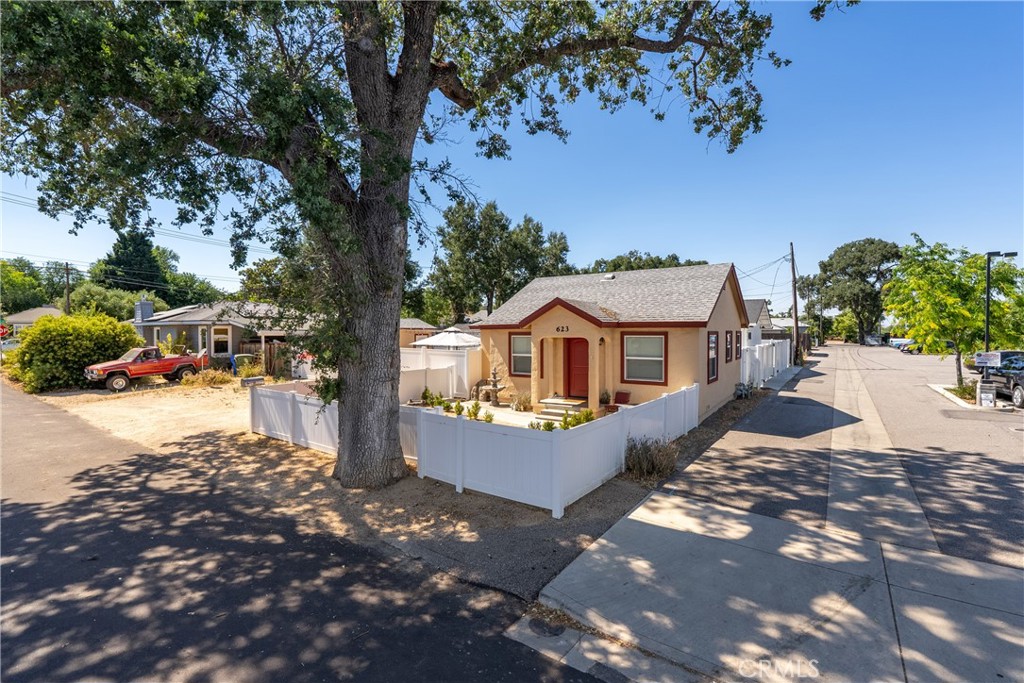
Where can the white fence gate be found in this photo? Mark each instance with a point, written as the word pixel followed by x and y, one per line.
pixel 760 362
pixel 547 469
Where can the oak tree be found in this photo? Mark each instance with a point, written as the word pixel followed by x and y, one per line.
pixel 852 277
pixel 297 122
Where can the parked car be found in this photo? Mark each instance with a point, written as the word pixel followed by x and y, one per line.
pixel 1009 379
pixel 872 340
pixel 144 362
pixel 897 342
pixel 1004 356
pixel 916 347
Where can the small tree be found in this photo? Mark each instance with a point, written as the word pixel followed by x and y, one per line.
pixel 54 352
pixel 845 327
pixel 19 291
pixel 938 294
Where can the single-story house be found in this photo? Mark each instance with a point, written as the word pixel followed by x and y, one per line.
pixel 224 328
pixel 758 313
pixel 24 319
pixel 646 332
pixel 414 329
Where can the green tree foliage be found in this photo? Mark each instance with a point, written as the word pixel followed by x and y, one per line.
pixel 91 298
pixel 19 291
pixel 634 260
pixel 131 264
pixel 938 294
pixel 852 278
pixel 304 117
pixel 845 327
pixel 811 290
pixel 54 352
pixel 52 279
pixel 485 259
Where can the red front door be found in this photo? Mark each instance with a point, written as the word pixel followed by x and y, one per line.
pixel 577 368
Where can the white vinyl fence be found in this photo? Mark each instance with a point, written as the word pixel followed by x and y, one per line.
pixel 465 364
pixel 547 469
pixel 761 362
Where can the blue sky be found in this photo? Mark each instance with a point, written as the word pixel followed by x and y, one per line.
pixel 893 118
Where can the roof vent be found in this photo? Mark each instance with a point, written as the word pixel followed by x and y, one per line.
pixel 609 276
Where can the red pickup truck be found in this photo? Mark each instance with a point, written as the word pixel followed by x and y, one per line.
pixel 142 362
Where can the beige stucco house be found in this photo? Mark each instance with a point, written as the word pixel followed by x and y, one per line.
pixel 646 332
pixel 414 329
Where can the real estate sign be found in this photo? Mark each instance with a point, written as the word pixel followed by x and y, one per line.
pixel 986 359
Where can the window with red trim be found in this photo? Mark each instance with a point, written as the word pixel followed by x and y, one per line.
pixel 712 357
pixel 520 353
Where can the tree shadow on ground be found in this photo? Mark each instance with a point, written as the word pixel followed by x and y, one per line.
pixel 156 570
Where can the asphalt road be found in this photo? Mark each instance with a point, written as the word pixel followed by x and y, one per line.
pixel 123 565
pixel 966 466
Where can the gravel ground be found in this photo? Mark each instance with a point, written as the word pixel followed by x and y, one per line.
pixel 479 538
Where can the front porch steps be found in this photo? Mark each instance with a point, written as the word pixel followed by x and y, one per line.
pixel 554 408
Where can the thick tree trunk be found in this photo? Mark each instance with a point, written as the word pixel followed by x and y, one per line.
pixel 369 451
pixel 959 369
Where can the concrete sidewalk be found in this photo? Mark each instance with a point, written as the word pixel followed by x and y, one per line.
pixel 795 548
pixel 726 593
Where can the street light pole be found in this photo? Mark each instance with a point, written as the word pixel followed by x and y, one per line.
pixel 988 292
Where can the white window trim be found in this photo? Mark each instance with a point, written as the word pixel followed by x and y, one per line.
pixel 213 340
pixel 627 358
pixel 513 355
pixel 156 336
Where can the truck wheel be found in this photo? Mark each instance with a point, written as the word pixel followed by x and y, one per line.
pixel 186 372
pixel 118 383
pixel 1018 396
pixel 170 377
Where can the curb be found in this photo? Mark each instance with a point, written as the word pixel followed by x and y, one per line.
pixel 941 390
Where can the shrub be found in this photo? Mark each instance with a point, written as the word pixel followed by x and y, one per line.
pixel 547 426
pixel 208 378
pixel 459 408
pixel 648 459
pixel 605 397
pixel 426 396
pixel 570 420
pixel 488 417
pixel 253 369
pixel 533 424
pixel 473 412
pixel 54 352
pixel 967 392
pixel 446 406
pixel 172 346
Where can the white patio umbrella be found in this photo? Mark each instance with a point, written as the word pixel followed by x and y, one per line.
pixel 451 338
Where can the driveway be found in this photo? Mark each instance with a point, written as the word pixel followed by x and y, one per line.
pixel 119 564
pixel 837 534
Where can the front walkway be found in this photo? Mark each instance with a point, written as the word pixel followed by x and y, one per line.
pixel 794 549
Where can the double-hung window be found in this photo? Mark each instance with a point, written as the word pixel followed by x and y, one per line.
pixel 519 345
pixel 643 358
pixel 222 341
pixel 739 344
pixel 728 346
pixel 712 357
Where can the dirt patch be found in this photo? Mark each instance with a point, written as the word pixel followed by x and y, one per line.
pixel 476 537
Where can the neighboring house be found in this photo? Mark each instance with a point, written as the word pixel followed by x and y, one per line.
pixel 647 332
pixel 20 321
pixel 221 327
pixel 413 329
pixel 757 313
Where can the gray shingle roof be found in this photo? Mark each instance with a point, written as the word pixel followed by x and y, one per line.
pixel 31 315
pixel 754 308
pixel 686 294
pixel 240 313
pixel 415 324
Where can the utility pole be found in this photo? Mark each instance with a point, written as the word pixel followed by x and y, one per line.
pixel 796 324
pixel 67 288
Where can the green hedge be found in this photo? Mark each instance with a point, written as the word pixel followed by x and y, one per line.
pixel 54 352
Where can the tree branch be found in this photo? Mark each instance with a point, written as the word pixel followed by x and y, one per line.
pixel 446 78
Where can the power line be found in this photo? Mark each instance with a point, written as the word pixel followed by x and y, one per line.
pixel 80 262
pixel 29 202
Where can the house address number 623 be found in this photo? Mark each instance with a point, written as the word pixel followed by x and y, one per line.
pixel 562 328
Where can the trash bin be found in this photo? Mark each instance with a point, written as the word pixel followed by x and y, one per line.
pixel 240 359
pixel 986 394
